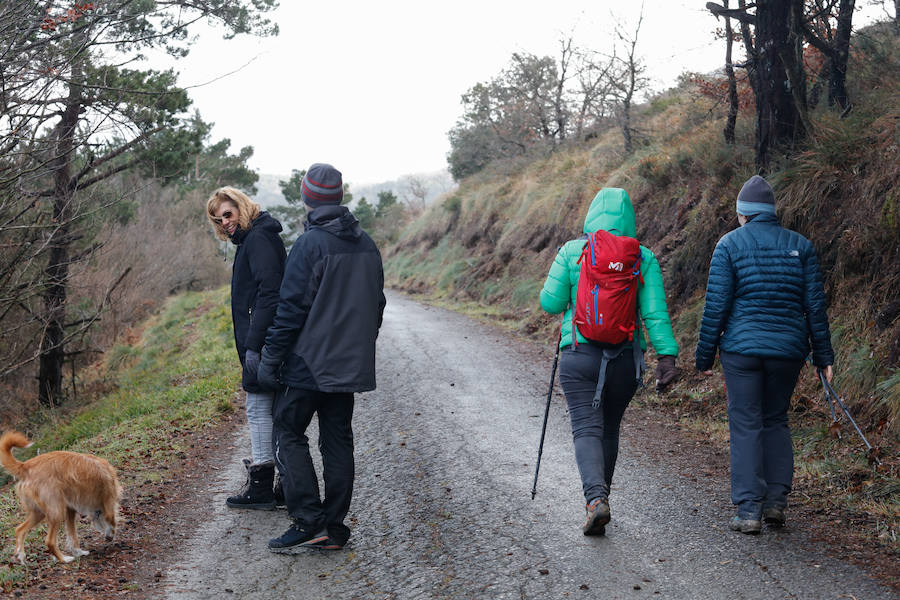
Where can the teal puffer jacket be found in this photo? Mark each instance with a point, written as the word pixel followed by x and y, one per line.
pixel 610 210
pixel 764 297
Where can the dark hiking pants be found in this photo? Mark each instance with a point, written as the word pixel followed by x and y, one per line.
pixel 292 413
pixel 762 457
pixel 595 431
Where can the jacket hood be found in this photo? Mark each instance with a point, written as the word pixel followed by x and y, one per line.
pixel 336 220
pixel 611 210
pixel 263 221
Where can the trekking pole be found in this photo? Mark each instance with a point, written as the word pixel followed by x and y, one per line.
pixel 829 394
pixel 537 466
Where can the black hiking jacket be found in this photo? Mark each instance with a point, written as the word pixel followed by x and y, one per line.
pixel 330 307
pixel 255 281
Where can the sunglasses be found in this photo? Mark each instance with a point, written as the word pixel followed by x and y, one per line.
pixel 225 215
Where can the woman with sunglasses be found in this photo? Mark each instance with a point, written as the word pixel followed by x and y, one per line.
pixel 255 283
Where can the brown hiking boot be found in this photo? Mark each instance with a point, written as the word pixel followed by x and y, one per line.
pixel 597 517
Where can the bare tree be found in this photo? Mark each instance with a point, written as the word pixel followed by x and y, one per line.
pixel 774 36
pixel 560 101
pixel 628 78
pixel 594 92
pixel 775 70
pixel 827 25
pixel 541 102
pixel 733 104
pixel 415 193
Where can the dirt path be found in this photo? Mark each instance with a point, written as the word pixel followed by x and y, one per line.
pixel 445 456
pixel 442 509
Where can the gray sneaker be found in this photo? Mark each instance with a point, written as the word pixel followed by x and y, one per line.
pixel 745 525
pixel 774 516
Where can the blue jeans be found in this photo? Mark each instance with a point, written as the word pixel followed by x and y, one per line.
pixel 762 456
pixel 595 431
pixel 294 410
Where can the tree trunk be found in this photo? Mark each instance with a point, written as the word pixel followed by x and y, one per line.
pixel 792 58
pixel 56 272
pixel 897 17
pixel 626 128
pixel 732 83
pixel 777 121
pixel 821 78
pixel 837 81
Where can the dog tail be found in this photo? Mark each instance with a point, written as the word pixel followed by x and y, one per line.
pixel 9 462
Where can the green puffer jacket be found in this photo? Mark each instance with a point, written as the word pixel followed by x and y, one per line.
pixel 610 210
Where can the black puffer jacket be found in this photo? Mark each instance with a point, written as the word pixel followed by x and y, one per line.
pixel 331 305
pixel 255 280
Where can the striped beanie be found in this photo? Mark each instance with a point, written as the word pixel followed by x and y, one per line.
pixel 322 184
pixel 756 197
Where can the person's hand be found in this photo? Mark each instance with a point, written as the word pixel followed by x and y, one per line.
pixel 666 372
pixel 706 373
pixel 267 374
pixel 251 362
pixel 828 372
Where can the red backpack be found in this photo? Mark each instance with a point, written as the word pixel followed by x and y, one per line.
pixel 606 297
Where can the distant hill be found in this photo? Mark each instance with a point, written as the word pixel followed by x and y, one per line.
pixel 432 185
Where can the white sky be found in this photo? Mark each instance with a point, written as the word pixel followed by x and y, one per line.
pixel 373 87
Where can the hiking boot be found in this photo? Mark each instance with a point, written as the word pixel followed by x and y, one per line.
pixel 597 517
pixel 774 516
pixel 257 491
pixel 297 536
pixel 278 492
pixel 323 541
pixel 748 525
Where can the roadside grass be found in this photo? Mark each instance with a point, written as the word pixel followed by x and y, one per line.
pixel 179 377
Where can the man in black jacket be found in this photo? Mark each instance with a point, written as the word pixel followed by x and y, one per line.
pixel 319 350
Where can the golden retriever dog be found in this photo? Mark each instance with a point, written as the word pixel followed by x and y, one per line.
pixel 57 485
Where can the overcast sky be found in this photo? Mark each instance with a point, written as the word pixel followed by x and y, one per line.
pixel 373 87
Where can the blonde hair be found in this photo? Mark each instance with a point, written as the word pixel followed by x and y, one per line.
pixel 247 209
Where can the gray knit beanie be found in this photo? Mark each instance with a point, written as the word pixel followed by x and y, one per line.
pixel 322 184
pixel 756 197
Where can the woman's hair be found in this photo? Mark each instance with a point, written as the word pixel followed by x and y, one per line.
pixel 247 209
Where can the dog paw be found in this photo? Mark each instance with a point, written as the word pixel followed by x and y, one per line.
pixel 67 559
pixel 80 552
pixel 20 558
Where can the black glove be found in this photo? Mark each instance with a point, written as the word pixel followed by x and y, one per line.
pixel 251 362
pixel 251 366
pixel 267 373
pixel 666 372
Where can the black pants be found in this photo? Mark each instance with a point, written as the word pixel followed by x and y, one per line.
pixel 595 431
pixel 292 413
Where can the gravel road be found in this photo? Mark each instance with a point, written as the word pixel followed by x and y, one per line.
pixel 445 452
